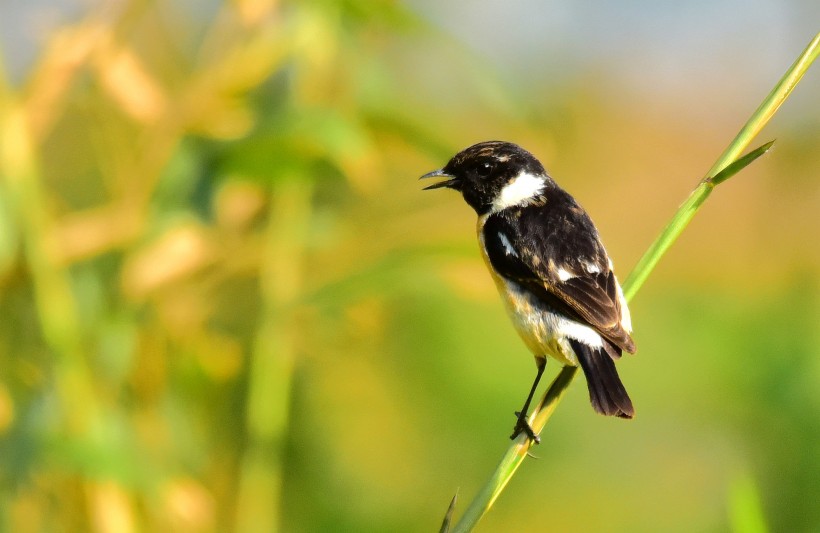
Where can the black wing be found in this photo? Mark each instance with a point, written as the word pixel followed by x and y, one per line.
pixel 553 249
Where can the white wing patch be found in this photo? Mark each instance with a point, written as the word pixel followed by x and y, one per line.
pixel 518 191
pixel 564 327
pixel 592 268
pixel 626 318
pixel 564 274
pixel 508 247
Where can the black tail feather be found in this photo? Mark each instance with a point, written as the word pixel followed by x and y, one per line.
pixel 606 392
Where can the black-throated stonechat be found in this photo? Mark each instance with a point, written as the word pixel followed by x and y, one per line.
pixel 549 266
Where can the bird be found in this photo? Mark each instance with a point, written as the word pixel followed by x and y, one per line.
pixel 550 267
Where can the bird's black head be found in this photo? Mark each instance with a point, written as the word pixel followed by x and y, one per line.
pixel 487 173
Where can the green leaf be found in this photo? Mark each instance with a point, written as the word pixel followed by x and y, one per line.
pixel 740 164
pixel 448 518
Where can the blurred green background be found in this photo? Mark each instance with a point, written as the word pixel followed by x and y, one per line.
pixel 227 305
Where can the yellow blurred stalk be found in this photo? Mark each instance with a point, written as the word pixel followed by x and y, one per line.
pixel 55 302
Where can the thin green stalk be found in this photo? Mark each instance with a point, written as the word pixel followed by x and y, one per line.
pixel 726 166
pixel 749 131
pixel 515 454
pixel 273 358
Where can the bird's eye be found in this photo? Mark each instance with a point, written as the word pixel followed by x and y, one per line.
pixel 484 169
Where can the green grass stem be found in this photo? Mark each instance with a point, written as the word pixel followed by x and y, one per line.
pixel 753 126
pixel 273 359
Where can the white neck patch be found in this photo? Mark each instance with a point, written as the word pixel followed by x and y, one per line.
pixel 519 191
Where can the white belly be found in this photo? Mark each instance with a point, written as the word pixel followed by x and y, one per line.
pixel 544 332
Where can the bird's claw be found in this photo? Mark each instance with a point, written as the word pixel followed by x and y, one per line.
pixel 523 426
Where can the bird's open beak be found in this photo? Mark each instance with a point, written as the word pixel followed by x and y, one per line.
pixel 451 182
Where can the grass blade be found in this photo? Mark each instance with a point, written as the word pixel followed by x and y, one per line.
pixel 756 122
pixel 448 517
pixel 740 164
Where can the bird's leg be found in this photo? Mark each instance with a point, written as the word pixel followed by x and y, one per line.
pixel 522 424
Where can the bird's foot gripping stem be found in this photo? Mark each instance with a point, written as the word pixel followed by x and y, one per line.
pixel 523 426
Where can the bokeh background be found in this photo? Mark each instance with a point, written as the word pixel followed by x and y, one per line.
pixel 227 306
